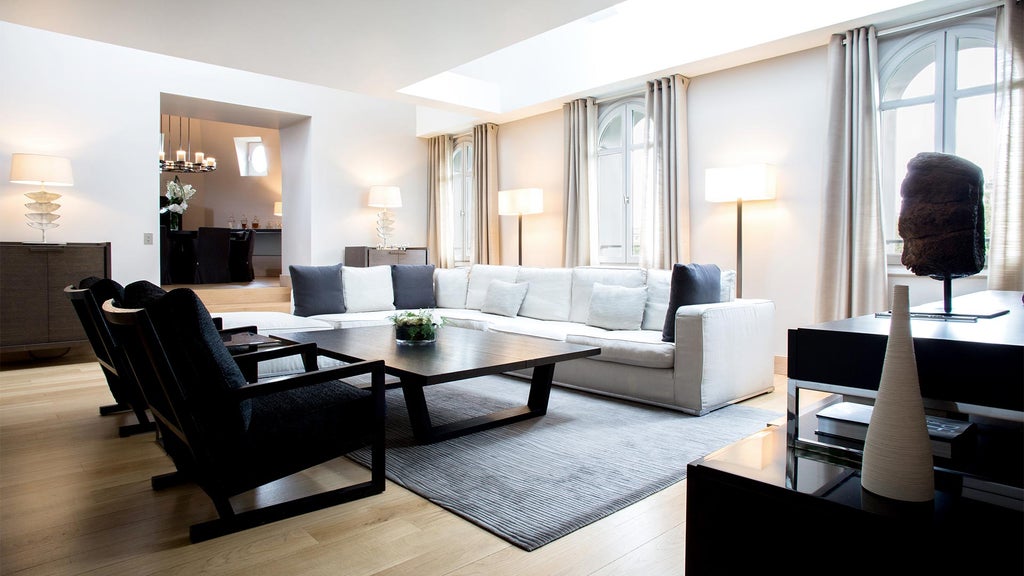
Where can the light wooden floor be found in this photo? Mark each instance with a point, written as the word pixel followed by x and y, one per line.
pixel 75 499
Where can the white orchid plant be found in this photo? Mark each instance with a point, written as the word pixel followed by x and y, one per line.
pixel 178 196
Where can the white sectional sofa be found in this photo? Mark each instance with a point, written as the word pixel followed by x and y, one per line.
pixel 721 353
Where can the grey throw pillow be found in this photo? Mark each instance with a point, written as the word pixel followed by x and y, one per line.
pixel 691 284
pixel 413 285
pixel 317 290
pixel 617 307
pixel 504 298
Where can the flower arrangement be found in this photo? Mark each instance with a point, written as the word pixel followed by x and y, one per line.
pixel 415 326
pixel 177 196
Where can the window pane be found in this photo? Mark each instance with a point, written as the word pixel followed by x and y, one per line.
pixel 906 132
pixel 637 135
pixel 611 133
pixel 976 141
pixel 611 218
pixel 636 207
pixel 914 77
pixel 975 64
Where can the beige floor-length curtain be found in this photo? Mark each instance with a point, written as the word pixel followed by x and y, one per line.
pixel 665 234
pixel 1006 250
pixel 440 227
pixel 852 275
pixel 580 127
pixel 485 184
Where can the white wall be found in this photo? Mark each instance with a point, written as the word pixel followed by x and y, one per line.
pixel 530 155
pixel 771 111
pixel 99 105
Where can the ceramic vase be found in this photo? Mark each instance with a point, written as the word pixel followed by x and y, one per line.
pixel 897 460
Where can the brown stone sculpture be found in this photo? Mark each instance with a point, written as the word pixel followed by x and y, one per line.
pixel 942 221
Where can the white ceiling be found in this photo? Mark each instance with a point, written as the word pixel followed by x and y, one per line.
pixel 493 60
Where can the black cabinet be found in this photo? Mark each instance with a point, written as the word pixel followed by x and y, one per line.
pixel 34 312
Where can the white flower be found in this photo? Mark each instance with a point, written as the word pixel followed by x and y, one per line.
pixel 178 196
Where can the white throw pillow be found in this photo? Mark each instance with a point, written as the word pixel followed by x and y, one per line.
pixel 450 285
pixel 617 307
pixel 367 289
pixel 504 298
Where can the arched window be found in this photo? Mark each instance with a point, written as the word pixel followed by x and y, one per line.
pixel 463 203
pixel 937 89
pixel 620 177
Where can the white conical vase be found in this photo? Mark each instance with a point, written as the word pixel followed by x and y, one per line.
pixel 897 451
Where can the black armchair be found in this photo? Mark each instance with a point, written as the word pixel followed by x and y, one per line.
pixel 231 436
pixel 86 300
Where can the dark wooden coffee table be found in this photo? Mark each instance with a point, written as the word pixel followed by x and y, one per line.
pixel 458 354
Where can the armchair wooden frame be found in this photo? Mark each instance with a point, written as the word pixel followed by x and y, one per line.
pixel 194 450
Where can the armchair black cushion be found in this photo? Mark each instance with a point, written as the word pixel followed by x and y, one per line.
pixel 230 436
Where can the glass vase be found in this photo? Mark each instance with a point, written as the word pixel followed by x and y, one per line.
pixel 415 335
pixel 174 221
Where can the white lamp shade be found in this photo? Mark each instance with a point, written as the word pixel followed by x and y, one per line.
pixel 277 209
pixel 40 169
pixel 520 201
pixel 385 197
pixel 731 183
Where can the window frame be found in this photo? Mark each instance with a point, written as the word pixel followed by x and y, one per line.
pixel 463 200
pixel 630 198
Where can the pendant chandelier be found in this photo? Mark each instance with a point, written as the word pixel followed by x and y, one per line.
pixel 183 160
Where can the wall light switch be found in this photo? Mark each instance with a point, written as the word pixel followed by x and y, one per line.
pixel 147 238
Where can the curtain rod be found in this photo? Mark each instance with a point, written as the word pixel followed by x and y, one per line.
pixel 940 18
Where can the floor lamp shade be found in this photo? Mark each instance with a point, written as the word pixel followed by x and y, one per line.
pixel 517 202
pixel 41 170
pixel 385 197
pixel 736 184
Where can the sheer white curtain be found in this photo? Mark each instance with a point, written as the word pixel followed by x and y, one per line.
pixel 485 186
pixel 665 232
pixel 1006 253
pixel 580 127
pixel 440 227
pixel 852 279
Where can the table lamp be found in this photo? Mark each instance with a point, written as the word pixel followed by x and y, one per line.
pixel 385 197
pixel 41 170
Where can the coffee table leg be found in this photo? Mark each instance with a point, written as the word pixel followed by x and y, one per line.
pixel 419 417
pixel 540 388
pixel 416 404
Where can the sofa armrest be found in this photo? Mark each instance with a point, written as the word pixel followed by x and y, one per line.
pixel 723 352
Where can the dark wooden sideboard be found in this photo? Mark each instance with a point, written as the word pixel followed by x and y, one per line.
pixel 34 312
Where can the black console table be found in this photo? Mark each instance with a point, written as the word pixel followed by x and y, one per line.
pixel 964 368
pixel 760 506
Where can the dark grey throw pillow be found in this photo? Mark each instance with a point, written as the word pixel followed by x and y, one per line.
pixel 413 285
pixel 317 290
pixel 691 284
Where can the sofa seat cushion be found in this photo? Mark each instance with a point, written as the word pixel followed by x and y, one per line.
pixel 543 328
pixel 357 319
pixel 272 321
pixel 634 347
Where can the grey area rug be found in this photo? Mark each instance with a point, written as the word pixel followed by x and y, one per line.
pixel 535 481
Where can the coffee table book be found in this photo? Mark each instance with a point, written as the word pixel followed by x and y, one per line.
pixel 951 439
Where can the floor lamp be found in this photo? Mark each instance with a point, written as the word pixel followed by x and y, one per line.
pixel 736 184
pixel 518 202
